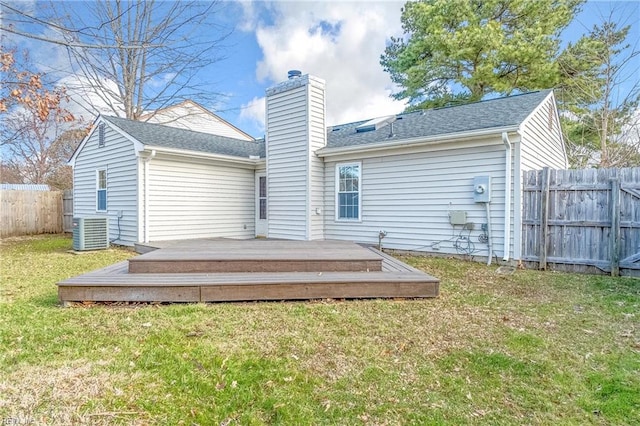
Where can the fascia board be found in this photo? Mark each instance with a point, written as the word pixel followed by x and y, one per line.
pixel 417 142
pixel 204 155
pixel 74 156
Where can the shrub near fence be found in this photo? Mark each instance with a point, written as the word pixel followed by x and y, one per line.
pixel 30 212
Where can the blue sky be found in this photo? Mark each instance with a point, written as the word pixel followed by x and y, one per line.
pixel 349 38
pixel 339 41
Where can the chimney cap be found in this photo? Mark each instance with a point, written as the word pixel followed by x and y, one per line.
pixel 294 74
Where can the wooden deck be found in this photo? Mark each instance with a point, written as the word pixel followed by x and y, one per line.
pixel 225 270
pixel 221 256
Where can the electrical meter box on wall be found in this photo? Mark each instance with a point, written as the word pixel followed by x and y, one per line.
pixel 482 189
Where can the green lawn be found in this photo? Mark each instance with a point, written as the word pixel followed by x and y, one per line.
pixel 527 348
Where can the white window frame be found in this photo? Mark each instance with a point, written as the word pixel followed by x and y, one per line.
pixel 105 189
pixel 337 192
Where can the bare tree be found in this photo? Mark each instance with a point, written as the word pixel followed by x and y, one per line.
pixel 60 152
pixel 135 56
pixel 9 173
pixel 37 153
pixel 24 88
pixel 33 118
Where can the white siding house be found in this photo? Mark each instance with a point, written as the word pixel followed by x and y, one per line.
pixel 417 170
pixel 197 199
pixel 408 181
pixel 108 152
pixel 189 115
pixel 166 183
pixel 409 194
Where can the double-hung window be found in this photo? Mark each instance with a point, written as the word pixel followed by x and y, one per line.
pixel 101 190
pixel 348 200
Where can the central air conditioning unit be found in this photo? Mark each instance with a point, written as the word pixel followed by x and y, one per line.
pixel 90 233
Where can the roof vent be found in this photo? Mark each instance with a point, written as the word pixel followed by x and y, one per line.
pixel 294 74
pixel 375 124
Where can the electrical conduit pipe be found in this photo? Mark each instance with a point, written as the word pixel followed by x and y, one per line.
pixel 489 246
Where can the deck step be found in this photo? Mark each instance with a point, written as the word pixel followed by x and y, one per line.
pixel 115 284
pixel 258 256
pixel 223 270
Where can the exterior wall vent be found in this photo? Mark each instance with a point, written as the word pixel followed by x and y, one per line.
pixel 90 233
pixel 294 74
pixel 101 135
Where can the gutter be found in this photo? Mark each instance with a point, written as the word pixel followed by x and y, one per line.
pixel 413 142
pixel 250 160
pixel 507 195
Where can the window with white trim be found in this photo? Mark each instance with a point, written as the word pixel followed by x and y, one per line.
pixel 101 190
pixel 348 203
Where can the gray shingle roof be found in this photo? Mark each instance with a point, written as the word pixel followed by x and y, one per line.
pixel 493 113
pixel 497 113
pixel 170 137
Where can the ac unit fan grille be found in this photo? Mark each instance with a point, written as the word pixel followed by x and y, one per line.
pixel 90 233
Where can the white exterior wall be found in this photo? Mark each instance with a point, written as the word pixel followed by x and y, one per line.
pixel 190 116
pixel 295 129
pixel 515 227
pixel 118 156
pixel 199 199
pixel 540 145
pixel 409 195
pixel 317 140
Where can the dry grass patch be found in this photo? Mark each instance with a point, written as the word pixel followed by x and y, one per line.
pixel 522 348
pixel 69 394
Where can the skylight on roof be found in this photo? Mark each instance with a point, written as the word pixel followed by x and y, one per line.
pixel 375 124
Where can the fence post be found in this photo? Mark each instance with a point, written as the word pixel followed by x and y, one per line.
pixel 544 218
pixel 67 211
pixel 614 234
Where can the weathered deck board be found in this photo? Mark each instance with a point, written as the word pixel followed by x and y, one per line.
pixel 217 256
pixel 309 290
pixel 116 283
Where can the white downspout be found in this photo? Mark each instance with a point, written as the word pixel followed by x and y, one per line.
pixel 146 194
pixel 507 196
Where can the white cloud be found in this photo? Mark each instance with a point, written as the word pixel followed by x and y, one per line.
pixel 340 42
pixel 253 113
pixel 87 99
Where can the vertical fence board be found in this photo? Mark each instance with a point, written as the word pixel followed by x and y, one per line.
pixel 544 217
pixel 30 212
pixel 614 239
pixel 67 211
pixel 592 220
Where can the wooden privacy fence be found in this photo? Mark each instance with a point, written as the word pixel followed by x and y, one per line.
pixel 30 212
pixel 67 211
pixel 582 220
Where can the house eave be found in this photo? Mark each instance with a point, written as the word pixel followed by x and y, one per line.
pixel 204 155
pixel 417 142
pixel 72 160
